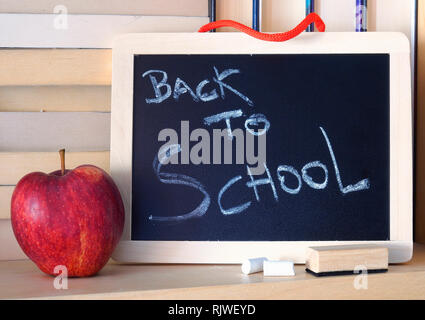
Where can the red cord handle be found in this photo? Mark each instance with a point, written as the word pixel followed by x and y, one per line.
pixel 278 37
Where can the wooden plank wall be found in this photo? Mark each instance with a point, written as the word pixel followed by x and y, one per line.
pixel 420 129
pixel 78 80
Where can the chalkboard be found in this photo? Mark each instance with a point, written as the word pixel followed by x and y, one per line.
pixel 326 119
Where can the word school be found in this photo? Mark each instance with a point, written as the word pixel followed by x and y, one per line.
pixel 281 171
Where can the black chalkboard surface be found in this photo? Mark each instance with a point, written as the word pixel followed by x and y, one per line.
pixel 327 147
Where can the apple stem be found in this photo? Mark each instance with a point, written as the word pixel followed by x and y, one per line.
pixel 62 155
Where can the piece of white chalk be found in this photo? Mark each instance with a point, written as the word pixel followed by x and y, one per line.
pixel 253 265
pixel 278 268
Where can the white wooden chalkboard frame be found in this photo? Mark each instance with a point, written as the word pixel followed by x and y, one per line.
pixel 401 183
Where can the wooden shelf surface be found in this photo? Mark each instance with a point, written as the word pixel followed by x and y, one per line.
pixel 22 280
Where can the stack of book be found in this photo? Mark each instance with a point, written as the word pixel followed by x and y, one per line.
pixel 55 78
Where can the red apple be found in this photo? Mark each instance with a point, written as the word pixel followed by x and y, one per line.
pixel 73 218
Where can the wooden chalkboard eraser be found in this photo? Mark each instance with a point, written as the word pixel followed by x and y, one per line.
pixel 346 259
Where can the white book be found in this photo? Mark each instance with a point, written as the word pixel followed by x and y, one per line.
pixel 84 31
pixel 188 8
pixel 54 98
pixel 14 165
pixel 51 131
pixel 55 67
